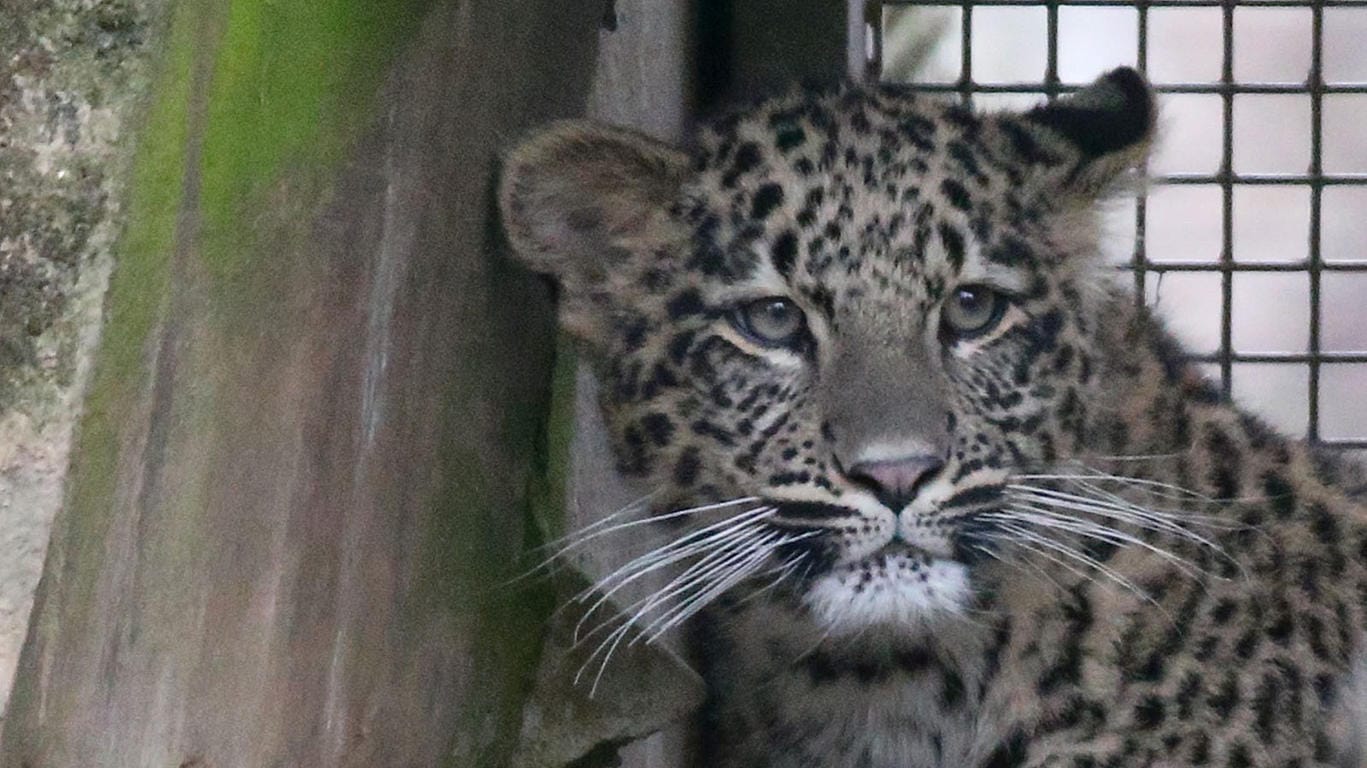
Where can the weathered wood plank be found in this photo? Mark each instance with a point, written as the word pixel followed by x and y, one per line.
pixel 316 407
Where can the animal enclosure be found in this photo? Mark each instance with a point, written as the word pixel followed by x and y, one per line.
pixel 1249 234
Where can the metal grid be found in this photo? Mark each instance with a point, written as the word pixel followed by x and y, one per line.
pixel 1314 359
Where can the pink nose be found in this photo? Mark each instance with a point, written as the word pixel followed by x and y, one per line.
pixel 896 481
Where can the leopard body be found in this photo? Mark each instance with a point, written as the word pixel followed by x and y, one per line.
pixel 973 615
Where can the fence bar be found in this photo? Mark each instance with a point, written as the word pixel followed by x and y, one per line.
pixel 1141 262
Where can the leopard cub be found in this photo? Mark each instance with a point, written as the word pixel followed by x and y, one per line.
pixel 936 490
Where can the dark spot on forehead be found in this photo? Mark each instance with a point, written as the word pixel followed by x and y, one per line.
pixel 788 132
pixel 967 159
pixel 747 159
pixel 956 193
pixel 953 241
pixel 658 428
pixel 785 252
pixel 1009 252
pixel 769 197
pixel 687 467
pixel 687 302
pixel 678 346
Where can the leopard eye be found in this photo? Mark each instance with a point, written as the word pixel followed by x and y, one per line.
pixel 772 321
pixel 972 310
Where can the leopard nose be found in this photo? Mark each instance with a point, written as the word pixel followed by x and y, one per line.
pixel 895 482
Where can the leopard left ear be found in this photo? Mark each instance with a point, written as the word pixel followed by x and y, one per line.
pixel 590 205
pixel 576 192
pixel 1110 125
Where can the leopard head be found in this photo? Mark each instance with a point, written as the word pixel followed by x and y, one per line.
pixel 842 322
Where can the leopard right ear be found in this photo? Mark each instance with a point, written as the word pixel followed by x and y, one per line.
pixel 578 198
pixel 1109 126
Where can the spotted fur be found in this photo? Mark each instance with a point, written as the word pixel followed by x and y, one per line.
pixel 1109 566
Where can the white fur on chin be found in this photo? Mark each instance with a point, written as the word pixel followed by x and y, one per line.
pixel 896 591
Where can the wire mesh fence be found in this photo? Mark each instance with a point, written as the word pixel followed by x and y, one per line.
pixel 1254 223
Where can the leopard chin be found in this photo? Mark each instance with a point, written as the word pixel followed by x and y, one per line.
pixel 898 588
pixel 870 569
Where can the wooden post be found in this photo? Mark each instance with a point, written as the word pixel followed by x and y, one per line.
pixel 318 403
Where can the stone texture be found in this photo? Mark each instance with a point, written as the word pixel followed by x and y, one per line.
pixel 72 74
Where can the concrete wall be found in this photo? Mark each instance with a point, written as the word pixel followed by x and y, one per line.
pixel 312 443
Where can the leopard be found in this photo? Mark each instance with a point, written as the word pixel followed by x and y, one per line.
pixel 938 489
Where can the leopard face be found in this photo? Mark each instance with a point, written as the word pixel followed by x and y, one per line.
pixel 853 317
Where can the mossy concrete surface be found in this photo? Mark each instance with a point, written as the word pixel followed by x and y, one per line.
pixel 318 403
pixel 72 76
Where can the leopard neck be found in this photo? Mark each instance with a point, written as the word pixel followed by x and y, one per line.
pixel 1160 419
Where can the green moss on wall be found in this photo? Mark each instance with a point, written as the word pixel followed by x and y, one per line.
pixel 134 305
pixel 217 434
pixel 291 89
pixel 293 86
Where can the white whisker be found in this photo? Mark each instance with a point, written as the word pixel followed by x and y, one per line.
pixel 697 539
pixel 579 539
pixel 1119 510
pixel 610 524
pixel 608 646
pixel 1138 456
pixel 565 543
pixel 1018 565
pixel 1168 490
pixel 1184 516
pixel 738 570
pixel 1091 530
pixel 704 539
pixel 1073 569
pixel 728 563
pixel 1116 510
pixel 742 571
pixel 784 570
pixel 1081 557
pixel 734 546
pixel 628 508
